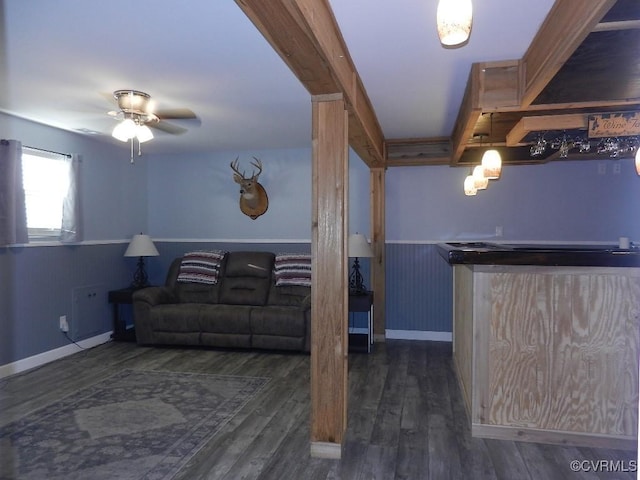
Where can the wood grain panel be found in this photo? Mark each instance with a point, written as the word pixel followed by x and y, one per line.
pixel 566 26
pixel 463 330
pixel 378 262
pixel 564 352
pixel 500 85
pixel 306 36
pixel 329 297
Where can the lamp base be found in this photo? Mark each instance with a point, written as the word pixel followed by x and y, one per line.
pixel 140 278
pixel 356 281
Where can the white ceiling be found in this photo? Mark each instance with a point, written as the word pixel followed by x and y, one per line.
pixel 61 60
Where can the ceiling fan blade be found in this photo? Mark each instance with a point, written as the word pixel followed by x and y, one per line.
pixel 175 113
pixel 167 127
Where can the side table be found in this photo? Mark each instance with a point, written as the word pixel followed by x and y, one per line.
pixel 361 342
pixel 123 296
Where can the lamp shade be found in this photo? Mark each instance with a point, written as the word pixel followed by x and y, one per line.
pixel 454 19
pixel 470 186
pixel 492 164
pixel 480 182
pixel 359 247
pixel 141 246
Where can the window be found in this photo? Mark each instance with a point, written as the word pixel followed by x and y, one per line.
pixel 45 177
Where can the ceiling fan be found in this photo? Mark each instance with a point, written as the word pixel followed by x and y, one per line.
pixel 137 113
pixel 139 107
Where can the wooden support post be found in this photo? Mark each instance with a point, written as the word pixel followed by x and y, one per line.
pixel 377 183
pixel 329 289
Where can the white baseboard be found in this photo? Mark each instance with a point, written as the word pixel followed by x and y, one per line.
pixel 46 357
pixel 326 450
pixel 419 335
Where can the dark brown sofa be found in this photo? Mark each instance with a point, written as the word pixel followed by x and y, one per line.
pixel 244 309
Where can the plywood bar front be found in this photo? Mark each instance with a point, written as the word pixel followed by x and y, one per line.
pixel 549 353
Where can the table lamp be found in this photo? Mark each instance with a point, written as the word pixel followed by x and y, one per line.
pixel 358 248
pixel 141 246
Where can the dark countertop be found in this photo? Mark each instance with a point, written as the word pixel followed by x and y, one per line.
pixel 485 253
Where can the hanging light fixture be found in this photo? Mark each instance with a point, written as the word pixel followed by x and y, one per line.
pixel 454 19
pixel 470 186
pixel 491 160
pixel 479 180
pixel 135 113
pixel 492 164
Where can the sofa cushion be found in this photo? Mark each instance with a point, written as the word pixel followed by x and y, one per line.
pixel 175 317
pixel 284 321
pixel 293 269
pixel 201 266
pixel 247 278
pixel 249 264
pixel 225 319
pixel 289 295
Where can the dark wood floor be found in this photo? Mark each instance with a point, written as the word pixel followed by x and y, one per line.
pixel 406 417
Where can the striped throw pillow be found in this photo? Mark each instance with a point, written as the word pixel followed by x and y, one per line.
pixel 201 267
pixel 293 269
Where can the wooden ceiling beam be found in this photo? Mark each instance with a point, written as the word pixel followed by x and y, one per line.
pixel 564 29
pixel 541 123
pixel 468 115
pixel 306 36
pixel 621 25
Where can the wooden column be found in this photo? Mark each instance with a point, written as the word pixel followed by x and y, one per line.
pixel 377 184
pixel 329 297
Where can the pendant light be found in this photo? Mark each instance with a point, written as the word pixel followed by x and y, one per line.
pixel 479 180
pixel 469 186
pixel 454 19
pixel 491 160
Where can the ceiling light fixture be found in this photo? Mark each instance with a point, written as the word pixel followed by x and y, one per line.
pixel 454 19
pixel 479 180
pixel 470 186
pixel 491 160
pixel 134 112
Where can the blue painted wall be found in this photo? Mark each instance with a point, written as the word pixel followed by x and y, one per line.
pixel 195 197
pixel 560 201
pixel 38 281
pixel 190 201
pixel 557 202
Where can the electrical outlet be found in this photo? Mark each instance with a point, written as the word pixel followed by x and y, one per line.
pixel 64 325
pixel 499 231
pixel 602 168
pixel 616 168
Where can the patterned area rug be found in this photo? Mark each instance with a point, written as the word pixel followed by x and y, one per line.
pixel 133 425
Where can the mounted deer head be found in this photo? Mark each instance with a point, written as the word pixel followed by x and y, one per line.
pixel 253 197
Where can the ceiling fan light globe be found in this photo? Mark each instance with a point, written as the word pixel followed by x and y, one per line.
pixel 454 19
pixel 125 130
pixel 143 133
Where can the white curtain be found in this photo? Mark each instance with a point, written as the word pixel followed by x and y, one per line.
pixel 72 230
pixel 13 213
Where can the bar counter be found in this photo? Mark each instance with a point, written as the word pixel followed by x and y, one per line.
pixel 546 341
pixel 485 253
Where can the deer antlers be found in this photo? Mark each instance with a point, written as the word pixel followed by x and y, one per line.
pixel 254 176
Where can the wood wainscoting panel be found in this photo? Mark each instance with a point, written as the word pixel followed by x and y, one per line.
pixel 563 350
pixel 463 330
